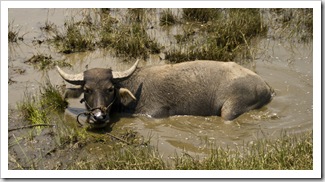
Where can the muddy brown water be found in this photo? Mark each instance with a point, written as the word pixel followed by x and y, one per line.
pixel 286 67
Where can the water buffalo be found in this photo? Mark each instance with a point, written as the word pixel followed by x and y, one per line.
pixel 200 88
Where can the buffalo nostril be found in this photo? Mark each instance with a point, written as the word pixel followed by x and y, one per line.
pixel 99 116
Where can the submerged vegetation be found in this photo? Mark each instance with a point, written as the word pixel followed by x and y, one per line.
pixel 13 33
pixel 45 62
pixel 213 34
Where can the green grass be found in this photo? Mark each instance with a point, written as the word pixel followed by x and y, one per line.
pixel 133 153
pixel 127 39
pixel 76 37
pixel 131 41
pixel 138 15
pixel 223 37
pixel 66 134
pixel 167 18
pixel 285 153
pixel 31 111
pixel 36 108
pixel 126 158
pixel 292 24
pixel 52 97
pixel 201 14
pixel 215 34
pixel 47 107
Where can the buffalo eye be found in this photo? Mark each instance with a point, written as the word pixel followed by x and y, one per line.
pixel 87 90
pixel 109 90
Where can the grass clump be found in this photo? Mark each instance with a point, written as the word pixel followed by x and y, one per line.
pixel 137 14
pixel 52 97
pixel 13 34
pixel 126 158
pixel 65 134
pixel 284 153
pixel 37 109
pixel 201 14
pixel 131 41
pixel 30 109
pixel 223 37
pixel 40 61
pixel 40 109
pixel 292 24
pixel 128 39
pixel 167 18
pixel 45 62
pixel 77 37
pixel 106 35
pixel 49 27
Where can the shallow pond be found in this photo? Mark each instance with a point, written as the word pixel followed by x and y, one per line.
pixel 286 67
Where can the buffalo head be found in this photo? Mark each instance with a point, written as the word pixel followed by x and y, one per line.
pixel 99 90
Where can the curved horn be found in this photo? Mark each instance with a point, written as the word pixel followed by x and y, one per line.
pixel 76 79
pixel 127 73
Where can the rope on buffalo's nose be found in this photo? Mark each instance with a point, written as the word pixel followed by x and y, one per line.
pixel 84 113
pixel 90 112
pixel 87 113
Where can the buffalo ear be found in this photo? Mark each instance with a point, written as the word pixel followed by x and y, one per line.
pixel 126 96
pixel 73 92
